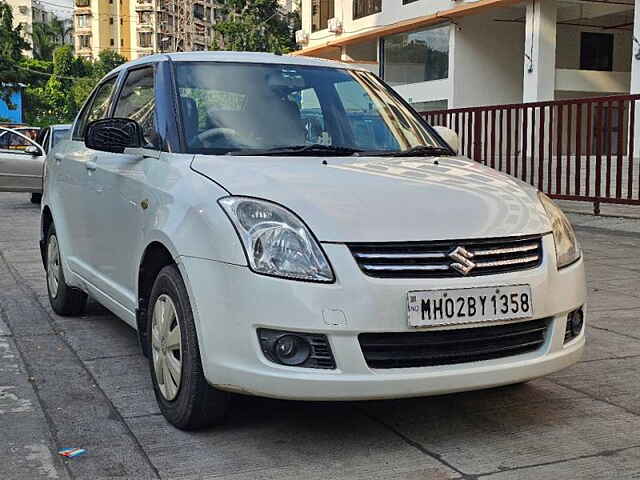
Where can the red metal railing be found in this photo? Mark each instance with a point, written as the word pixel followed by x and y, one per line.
pixel 579 149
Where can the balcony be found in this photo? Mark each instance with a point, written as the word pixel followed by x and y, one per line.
pixel 144 5
pixel 144 26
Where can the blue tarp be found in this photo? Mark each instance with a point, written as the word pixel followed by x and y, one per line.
pixel 15 115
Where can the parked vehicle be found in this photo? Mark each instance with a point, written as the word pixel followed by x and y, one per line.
pixel 48 137
pixel 21 163
pixel 10 141
pixel 256 253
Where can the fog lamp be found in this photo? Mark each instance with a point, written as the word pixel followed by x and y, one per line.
pixel 291 350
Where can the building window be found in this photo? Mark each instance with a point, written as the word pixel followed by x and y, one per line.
pixel 144 17
pixel 198 11
pixel 321 12
pixel 417 56
pixel 110 20
pixel 112 42
pixel 596 51
pixel 145 39
pixel 82 21
pixel 120 20
pixel 364 8
pixel 84 41
pixel 122 42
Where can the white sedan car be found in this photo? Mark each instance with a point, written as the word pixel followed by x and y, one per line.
pixel 291 228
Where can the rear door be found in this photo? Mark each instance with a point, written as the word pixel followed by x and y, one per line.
pixel 20 168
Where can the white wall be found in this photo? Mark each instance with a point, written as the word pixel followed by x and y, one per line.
pixel 392 11
pixel 486 61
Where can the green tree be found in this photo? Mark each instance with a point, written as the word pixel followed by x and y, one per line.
pixel 107 61
pixel 11 46
pixel 43 40
pixel 255 26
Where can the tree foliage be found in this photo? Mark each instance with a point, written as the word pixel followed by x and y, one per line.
pixel 58 98
pixel 255 26
pixel 11 46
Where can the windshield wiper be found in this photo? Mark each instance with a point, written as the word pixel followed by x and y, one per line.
pixel 417 151
pixel 315 149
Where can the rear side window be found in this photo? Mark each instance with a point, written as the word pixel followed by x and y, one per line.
pixel 137 101
pixel 97 108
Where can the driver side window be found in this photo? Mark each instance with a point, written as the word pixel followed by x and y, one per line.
pixel 97 108
pixel 137 101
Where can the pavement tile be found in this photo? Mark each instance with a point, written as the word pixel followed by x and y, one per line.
pixel 286 440
pixel 98 336
pixel 603 379
pixel 617 465
pixel 526 434
pixel 605 345
pixel 624 322
pixel 128 382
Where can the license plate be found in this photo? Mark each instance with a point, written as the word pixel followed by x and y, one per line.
pixel 469 305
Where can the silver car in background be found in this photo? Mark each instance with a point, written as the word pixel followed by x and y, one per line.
pixel 22 158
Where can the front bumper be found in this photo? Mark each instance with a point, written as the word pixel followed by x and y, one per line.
pixel 230 303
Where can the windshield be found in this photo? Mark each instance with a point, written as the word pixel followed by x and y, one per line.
pixel 230 107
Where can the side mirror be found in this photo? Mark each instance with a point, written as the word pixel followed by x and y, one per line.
pixel 33 150
pixel 113 135
pixel 449 136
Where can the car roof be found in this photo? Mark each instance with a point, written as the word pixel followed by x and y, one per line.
pixel 238 57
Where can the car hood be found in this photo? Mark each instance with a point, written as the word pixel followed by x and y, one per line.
pixel 378 199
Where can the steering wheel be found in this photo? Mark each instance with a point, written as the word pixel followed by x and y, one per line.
pixel 216 132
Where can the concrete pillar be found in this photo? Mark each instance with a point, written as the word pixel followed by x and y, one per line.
pixel 634 88
pixel 540 51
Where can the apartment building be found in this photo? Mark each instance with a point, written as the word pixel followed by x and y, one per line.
pixel 135 28
pixel 447 54
pixel 26 13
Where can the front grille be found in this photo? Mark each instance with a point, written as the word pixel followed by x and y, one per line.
pixel 447 347
pixel 448 258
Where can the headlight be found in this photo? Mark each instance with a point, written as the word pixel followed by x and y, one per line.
pixel 276 241
pixel 567 247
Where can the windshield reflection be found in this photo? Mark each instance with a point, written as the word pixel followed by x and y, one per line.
pixel 229 107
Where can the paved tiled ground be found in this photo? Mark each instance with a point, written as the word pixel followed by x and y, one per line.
pixel 81 382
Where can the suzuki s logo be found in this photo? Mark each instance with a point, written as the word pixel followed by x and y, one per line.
pixel 462 260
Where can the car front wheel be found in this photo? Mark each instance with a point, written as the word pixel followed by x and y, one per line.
pixel 183 394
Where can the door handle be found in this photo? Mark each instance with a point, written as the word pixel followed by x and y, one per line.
pixel 90 166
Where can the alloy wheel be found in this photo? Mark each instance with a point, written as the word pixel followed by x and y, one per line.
pixel 166 343
pixel 53 266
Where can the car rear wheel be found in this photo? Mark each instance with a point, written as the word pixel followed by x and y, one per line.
pixel 185 398
pixel 64 300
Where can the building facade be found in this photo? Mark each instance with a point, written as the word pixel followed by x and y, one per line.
pixel 135 28
pixel 445 54
pixel 26 13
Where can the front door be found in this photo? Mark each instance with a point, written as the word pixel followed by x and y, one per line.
pixel 21 162
pixel 68 169
pixel 120 194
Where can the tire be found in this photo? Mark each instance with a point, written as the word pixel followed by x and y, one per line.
pixel 65 300
pixel 36 198
pixel 187 402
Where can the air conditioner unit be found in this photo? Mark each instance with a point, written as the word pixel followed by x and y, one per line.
pixel 302 37
pixel 334 25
